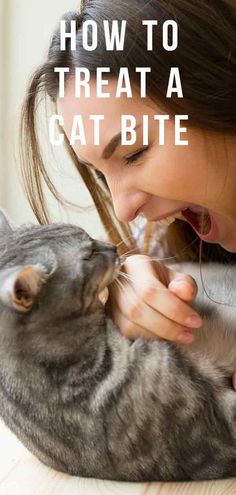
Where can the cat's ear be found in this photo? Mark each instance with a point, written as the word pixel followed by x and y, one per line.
pixel 20 286
pixel 4 223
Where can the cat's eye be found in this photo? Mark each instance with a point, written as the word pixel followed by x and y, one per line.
pixel 87 256
pixel 89 252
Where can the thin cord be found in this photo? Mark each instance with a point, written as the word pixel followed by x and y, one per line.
pixel 203 283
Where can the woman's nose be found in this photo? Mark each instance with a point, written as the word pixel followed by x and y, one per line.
pixel 127 201
pixel 127 205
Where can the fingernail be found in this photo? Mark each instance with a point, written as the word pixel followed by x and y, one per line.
pixel 180 286
pixel 177 284
pixel 193 321
pixel 185 337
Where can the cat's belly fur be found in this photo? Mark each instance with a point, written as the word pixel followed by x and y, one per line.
pixel 160 412
pixel 215 342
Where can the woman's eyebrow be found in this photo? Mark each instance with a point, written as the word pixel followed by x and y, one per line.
pixel 109 148
pixel 112 145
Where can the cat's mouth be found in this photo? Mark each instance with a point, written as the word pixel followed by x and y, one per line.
pixel 112 273
pixel 109 277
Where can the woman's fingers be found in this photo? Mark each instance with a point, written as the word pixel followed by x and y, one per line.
pixel 156 295
pixel 129 329
pixel 149 300
pixel 136 318
pixel 182 285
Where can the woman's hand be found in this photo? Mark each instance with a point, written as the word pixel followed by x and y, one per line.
pixel 150 300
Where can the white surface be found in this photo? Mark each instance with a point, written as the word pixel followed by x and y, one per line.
pixel 22 474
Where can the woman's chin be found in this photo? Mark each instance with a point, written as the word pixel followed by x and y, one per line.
pixel 229 246
pixel 227 235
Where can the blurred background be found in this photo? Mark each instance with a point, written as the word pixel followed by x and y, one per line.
pixel 26 27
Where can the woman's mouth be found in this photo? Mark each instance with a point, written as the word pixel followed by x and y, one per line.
pixel 198 217
pixel 202 222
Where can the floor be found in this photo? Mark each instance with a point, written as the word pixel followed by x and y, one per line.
pixel 22 474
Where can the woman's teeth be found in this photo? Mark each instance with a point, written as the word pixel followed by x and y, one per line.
pixel 169 220
pixel 196 216
pixel 166 221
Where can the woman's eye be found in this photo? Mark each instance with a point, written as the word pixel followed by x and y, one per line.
pixel 134 158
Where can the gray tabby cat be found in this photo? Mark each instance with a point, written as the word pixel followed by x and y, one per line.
pixel 85 399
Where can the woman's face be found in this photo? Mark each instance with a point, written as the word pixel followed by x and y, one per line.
pixel 161 180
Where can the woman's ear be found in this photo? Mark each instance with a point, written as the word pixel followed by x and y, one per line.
pixel 20 286
pixel 4 223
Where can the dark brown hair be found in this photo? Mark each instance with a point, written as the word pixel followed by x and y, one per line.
pixel 206 58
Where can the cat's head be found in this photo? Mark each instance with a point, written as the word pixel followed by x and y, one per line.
pixel 56 269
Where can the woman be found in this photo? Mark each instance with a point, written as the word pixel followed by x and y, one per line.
pixel 196 183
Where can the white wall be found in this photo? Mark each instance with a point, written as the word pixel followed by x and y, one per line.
pixel 26 27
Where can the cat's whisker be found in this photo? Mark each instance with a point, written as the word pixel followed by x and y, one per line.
pixel 151 258
pixel 120 286
pixel 124 286
pixel 127 276
pixel 124 260
pixel 165 258
pixel 124 240
pixel 130 278
pixel 118 282
pixel 127 253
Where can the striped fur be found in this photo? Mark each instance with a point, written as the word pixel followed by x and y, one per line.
pixel 86 400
